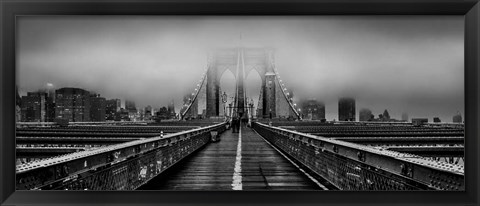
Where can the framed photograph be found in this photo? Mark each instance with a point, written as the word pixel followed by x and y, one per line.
pixel 239 103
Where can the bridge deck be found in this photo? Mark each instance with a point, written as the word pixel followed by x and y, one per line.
pixel 216 166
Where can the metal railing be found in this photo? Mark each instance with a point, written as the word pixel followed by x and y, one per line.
pixel 124 166
pixel 350 166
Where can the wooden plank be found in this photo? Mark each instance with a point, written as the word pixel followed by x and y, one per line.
pixel 263 168
pixel 212 168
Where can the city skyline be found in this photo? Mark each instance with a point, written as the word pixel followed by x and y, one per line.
pixel 377 62
pixel 311 104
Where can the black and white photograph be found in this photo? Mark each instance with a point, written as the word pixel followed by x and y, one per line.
pixel 255 103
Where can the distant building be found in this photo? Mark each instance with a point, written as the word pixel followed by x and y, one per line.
pixel 457 118
pixel 141 114
pixel 163 113
pixel 148 113
pixel 130 106
pixel 18 106
pixel 313 109
pixel 122 115
pixel 171 109
pixel 72 104
pixel 346 109
pixel 405 117
pixel 50 91
pixel 148 110
pixel 366 115
pixel 436 119
pixel 50 109
pixel 385 116
pixel 97 108
pixel 18 99
pixel 34 107
pixel 112 107
pixel 132 110
pixel 419 121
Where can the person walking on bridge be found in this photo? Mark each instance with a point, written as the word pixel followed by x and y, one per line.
pixel 235 125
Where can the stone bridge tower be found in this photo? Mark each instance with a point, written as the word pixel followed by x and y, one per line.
pixel 248 59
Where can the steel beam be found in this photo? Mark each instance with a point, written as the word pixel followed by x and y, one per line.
pixel 431 151
pixel 22 152
pixel 380 141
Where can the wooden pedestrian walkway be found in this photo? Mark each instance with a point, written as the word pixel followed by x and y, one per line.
pixel 226 165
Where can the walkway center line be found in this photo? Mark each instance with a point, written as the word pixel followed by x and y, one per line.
pixel 237 172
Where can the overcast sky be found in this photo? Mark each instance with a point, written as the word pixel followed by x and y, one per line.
pixel 412 64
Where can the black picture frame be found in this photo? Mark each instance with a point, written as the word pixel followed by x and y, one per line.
pixel 12 8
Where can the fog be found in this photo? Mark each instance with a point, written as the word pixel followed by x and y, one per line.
pixel 412 64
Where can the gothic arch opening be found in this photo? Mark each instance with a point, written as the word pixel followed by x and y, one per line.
pixel 253 87
pixel 227 86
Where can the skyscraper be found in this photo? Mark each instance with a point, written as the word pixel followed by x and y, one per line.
pixel 72 104
pixel 112 106
pixel 313 109
pixel 346 109
pixel 50 104
pixel 51 91
pixel 130 106
pixel 34 107
pixel 18 99
pixel 97 108
pixel 18 106
pixel 171 109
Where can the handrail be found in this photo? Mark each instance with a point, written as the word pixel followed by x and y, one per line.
pixel 74 156
pixel 54 170
pixel 432 174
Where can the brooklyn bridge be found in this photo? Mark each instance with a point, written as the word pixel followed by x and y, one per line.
pixel 241 146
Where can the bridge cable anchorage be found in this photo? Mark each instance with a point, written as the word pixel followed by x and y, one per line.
pixel 294 164
pixel 237 172
pixel 284 91
pixel 194 94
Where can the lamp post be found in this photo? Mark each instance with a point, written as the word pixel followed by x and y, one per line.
pixel 250 107
pixel 224 100
pixel 270 122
